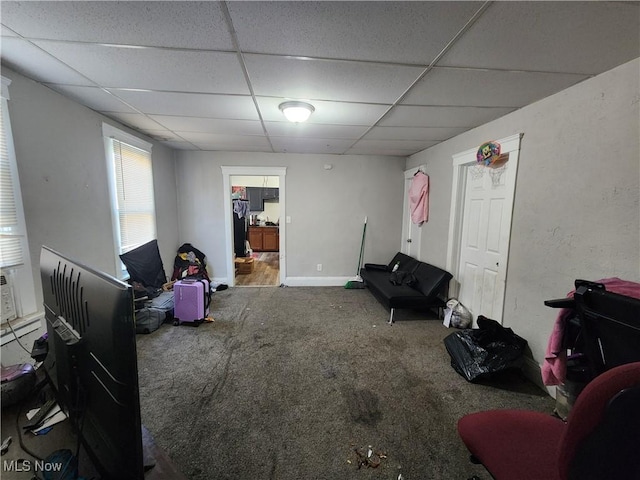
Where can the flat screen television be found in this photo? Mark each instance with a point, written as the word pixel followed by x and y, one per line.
pixel 92 361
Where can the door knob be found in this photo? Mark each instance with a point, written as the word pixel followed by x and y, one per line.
pixel 408 240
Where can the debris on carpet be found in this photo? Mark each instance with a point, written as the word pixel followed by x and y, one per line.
pixel 369 457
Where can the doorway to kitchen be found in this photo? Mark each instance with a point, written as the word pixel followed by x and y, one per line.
pixel 254 208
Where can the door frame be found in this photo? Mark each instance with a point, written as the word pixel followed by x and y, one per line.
pixel 510 145
pixel 227 172
pixel 406 214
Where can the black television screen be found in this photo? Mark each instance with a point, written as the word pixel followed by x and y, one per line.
pixel 92 361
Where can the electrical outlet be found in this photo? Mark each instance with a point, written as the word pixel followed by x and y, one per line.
pixel 319 267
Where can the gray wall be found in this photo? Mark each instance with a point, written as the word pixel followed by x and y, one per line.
pixel 327 208
pixel 63 177
pixel 576 211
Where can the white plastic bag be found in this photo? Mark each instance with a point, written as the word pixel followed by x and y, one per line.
pixel 456 315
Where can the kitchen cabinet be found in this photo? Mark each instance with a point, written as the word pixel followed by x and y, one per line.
pixel 270 239
pixel 270 193
pixel 264 239
pixel 254 195
pixel 257 196
pixel 255 238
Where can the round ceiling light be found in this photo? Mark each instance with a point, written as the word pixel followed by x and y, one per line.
pixel 296 111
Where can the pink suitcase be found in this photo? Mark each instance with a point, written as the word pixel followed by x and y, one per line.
pixel 191 299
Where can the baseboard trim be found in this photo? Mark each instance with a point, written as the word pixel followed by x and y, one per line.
pixel 316 281
pixel 531 369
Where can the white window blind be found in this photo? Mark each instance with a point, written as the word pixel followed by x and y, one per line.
pixel 11 234
pixel 134 198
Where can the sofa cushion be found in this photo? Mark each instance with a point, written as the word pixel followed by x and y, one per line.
pixel 407 263
pixel 394 296
pixel 430 279
pixel 377 266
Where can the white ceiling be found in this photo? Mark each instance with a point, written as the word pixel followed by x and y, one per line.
pixel 386 78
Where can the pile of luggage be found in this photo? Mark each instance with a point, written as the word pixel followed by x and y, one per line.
pixel 184 299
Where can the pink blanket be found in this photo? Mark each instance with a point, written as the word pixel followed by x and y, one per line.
pixel 554 367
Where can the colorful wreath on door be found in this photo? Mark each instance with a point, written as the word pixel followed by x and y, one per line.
pixel 488 153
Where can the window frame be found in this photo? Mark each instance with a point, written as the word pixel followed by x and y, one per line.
pixel 21 275
pixel 112 133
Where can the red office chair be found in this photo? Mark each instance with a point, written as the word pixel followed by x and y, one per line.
pixel 599 441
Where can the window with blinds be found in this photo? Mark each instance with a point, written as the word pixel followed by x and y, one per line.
pixel 11 232
pixel 133 191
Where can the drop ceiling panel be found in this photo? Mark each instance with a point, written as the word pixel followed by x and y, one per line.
pixel 93 97
pixel 487 88
pixel 328 80
pixel 224 142
pixel 410 32
pixel 6 32
pixel 414 145
pixel 175 71
pixel 210 125
pixel 170 24
pixel 135 120
pixel 378 150
pixel 190 104
pixel 152 68
pixel 413 133
pixel 164 135
pixel 577 37
pixel 181 145
pixel 310 145
pixel 403 116
pixel 31 61
pixel 340 113
pixel 314 130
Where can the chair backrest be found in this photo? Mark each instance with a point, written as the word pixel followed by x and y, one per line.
pixel 144 265
pixel 611 327
pixel 589 411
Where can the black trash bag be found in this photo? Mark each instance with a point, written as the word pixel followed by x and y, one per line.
pixel 481 352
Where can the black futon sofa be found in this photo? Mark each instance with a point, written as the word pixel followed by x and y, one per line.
pixel 415 284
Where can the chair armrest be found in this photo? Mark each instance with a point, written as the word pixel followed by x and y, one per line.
pixel 567 302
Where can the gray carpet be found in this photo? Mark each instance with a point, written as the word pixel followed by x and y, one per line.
pixel 288 382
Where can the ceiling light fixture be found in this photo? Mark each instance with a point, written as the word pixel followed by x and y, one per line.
pixel 296 111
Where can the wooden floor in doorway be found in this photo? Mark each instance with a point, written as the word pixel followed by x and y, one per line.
pixel 266 271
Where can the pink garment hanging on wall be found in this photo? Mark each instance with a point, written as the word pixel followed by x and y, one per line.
pixel 419 198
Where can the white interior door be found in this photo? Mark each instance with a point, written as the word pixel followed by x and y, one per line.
pixel 482 251
pixel 482 206
pixel 410 231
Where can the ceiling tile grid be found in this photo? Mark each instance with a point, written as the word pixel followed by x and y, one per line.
pixel 385 78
